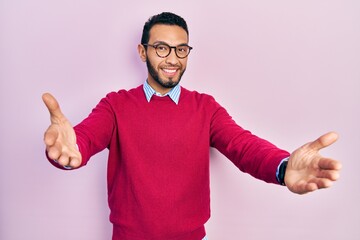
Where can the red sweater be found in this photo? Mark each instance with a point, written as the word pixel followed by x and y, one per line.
pixel 158 166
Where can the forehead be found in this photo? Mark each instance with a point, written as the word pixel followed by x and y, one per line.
pixel 170 34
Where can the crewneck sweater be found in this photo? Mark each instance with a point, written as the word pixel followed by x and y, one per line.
pixel 158 163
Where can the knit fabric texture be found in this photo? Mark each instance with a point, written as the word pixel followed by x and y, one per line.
pixel 158 164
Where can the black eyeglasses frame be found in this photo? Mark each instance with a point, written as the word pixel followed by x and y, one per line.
pixel 170 47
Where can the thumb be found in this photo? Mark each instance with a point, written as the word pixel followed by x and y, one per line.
pixel 324 141
pixel 52 105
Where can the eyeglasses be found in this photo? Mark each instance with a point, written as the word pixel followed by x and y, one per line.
pixel 163 50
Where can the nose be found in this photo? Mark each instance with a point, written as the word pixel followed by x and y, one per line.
pixel 172 58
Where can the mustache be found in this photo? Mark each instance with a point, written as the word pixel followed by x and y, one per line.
pixel 171 66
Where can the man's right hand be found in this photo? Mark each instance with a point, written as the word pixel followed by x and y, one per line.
pixel 60 138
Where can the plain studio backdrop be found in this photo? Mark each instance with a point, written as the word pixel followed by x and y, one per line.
pixel 289 71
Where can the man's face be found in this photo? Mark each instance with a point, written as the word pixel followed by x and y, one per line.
pixel 165 73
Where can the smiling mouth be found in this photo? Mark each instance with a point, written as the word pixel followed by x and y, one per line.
pixel 169 72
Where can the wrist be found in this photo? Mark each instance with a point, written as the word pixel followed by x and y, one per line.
pixel 282 171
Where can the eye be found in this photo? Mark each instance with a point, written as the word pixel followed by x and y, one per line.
pixel 162 48
pixel 182 49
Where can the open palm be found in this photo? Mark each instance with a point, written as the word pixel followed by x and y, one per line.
pixel 60 138
pixel 308 171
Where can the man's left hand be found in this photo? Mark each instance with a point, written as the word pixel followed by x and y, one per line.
pixel 308 171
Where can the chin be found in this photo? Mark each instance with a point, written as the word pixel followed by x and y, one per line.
pixel 169 84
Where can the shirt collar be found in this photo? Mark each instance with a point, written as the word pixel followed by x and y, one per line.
pixel 174 93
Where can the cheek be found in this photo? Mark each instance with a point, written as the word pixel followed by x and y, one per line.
pixel 183 64
pixel 154 63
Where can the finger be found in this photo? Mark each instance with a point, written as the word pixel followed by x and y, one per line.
pixel 69 162
pixel 54 152
pixel 303 187
pixel 50 136
pixel 310 187
pixel 52 105
pixel 74 162
pixel 324 141
pixel 64 159
pixel 329 164
pixel 322 182
pixel 332 175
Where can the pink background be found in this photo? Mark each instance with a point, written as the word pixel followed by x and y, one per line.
pixel 287 70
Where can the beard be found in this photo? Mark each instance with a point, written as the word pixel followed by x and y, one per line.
pixel 170 83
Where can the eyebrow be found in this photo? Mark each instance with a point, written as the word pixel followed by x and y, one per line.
pixel 162 42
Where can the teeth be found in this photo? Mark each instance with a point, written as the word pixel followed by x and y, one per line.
pixel 169 70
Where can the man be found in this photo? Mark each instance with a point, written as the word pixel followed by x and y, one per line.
pixel 158 136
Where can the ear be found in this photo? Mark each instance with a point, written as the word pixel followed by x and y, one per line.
pixel 142 52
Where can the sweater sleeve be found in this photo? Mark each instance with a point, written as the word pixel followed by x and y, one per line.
pixel 248 152
pixel 94 133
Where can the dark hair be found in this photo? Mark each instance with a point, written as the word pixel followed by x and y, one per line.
pixel 166 18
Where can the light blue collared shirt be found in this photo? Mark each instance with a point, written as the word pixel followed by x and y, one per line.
pixel 174 93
